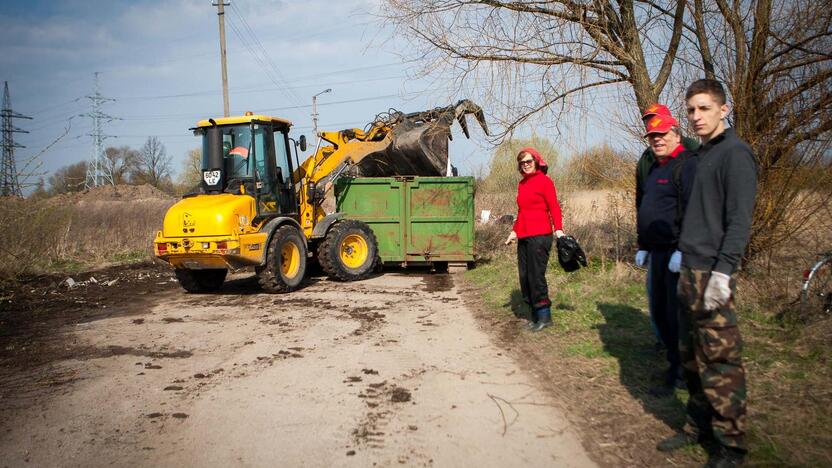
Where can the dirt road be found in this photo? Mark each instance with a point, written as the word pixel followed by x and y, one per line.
pixel 388 371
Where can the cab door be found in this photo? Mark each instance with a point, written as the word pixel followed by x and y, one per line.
pixel 283 172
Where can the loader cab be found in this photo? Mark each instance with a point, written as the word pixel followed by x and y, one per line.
pixel 249 155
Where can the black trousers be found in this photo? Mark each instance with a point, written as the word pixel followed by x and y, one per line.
pixel 664 304
pixel 532 260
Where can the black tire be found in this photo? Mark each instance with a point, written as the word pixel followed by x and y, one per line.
pixel 200 281
pixel 285 265
pixel 340 260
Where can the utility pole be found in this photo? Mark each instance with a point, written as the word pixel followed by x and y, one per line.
pixel 94 169
pixel 221 15
pixel 315 110
pixel 10 186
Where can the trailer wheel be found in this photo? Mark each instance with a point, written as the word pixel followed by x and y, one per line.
pixel 349 251
pixel 285 265
pixel 200 281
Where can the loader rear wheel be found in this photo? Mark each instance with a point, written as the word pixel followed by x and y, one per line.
pixel 285 265
pixel 349 251
pixel 200 281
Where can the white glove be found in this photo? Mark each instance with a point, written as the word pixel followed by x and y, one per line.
pixel 641 258
pixel 512 236
pixel 675 263
pixel 718 290
pixel 559 233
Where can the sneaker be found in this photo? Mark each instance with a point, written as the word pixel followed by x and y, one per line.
pixel 726 457
pixel 541 325
pixel 528 325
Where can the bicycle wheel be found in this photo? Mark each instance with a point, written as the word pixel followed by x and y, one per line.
pixel 816 296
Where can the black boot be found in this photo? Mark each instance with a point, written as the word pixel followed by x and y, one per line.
pixel 726 457
pixel 672 381
pixel 544 319
pixel 678 441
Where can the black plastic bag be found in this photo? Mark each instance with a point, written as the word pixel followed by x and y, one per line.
pixel 570 254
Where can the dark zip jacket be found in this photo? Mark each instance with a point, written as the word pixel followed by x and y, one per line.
pixel 664 201
pixel 717 222
pixel 645 162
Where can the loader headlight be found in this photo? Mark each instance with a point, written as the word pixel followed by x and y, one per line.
pixel 206 245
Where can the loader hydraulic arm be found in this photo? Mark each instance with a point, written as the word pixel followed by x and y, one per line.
pixel 393 144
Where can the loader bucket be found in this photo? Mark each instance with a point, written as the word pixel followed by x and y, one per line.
pixel 419 142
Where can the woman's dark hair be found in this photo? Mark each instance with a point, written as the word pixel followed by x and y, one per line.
pixel 537 166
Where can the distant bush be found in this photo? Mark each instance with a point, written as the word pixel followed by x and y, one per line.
pixel 599 167
pixel 42 236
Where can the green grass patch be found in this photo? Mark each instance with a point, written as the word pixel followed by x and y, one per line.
pixel 67 265
pixel 603 335
pixel 130 256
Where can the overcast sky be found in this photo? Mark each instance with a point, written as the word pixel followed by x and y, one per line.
pixel 159 61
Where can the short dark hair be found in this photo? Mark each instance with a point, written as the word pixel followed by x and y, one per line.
pixel 705 85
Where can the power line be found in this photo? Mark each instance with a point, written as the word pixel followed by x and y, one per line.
pixel 253 46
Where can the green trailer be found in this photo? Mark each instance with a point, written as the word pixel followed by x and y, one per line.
pixel 416 220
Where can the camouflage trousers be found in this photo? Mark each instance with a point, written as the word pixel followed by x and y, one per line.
pixel 711 350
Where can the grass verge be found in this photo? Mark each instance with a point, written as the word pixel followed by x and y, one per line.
pixel 599 360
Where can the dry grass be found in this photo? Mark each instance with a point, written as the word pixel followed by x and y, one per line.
pixel 603 221
pixel 43 236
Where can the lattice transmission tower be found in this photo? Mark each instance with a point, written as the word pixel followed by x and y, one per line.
pixel 95 171
pixel 10 184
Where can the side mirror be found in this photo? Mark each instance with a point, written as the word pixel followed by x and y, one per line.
pixel 302 142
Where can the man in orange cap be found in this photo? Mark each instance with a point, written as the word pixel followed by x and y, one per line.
pixel 666 191
pixel 645 162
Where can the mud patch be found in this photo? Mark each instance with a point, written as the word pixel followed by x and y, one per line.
pixel 369 317
pixel 437 283
pixel 39 313
pixel 400 395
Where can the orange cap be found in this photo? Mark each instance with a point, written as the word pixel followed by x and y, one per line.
pixel 660 124
pixel 655 109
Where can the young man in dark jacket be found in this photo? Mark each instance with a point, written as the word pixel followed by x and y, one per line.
pixel 715 231
pixel 667 189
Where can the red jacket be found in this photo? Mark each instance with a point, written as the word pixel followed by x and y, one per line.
pixel 537 203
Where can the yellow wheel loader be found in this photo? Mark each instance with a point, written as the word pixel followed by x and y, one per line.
pixel 258 206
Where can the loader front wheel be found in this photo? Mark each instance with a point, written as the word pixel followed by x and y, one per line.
pixel 200 281
pixel 285 265
pixel 349 251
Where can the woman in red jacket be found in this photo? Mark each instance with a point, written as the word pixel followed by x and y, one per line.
pixel 538 211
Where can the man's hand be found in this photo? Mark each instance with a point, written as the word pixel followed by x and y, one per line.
pixel 512 236
pixel 675 263
pixel 641 258
pixel 718 291
pixel 559 233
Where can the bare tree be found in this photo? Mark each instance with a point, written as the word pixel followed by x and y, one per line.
pixel 191 169
pixel 153 165
pixel 118 162
pixel 69 178
pixel 533 56
pixel 776 58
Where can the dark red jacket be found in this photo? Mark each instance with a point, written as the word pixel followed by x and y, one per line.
pixel 537 203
